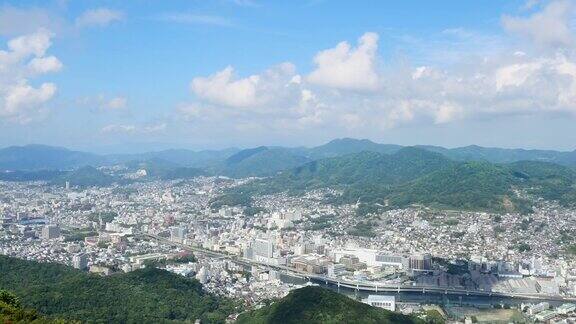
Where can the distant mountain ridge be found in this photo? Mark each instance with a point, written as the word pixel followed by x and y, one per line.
pixel 501 155
pixel 35 157
pixel 472 177
pixel 259 161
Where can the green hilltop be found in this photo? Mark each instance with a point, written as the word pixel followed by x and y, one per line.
pixel 86 176
pixel 143 296
pixel 260 161
pixel 320 305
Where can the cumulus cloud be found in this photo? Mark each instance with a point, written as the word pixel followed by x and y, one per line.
pixel 41 65
pixel 344 67
pixel 255 91
pixel 510 83
pixel 23 60
pixel 547 28
pixel 349 92
pixel 99 17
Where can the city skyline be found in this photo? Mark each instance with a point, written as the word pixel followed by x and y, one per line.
pixel 105 76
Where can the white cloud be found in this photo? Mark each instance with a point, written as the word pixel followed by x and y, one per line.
pixel 32 44
pixel 41 65
pixel 221 88
pixel 347 92
pixel 447 112
pixel 344 67
pixel 254 91
pixel 515 74
pixel 25 59
pixel 100 17
pixel 547 28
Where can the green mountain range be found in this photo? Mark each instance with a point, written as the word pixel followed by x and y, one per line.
pixel 473 177
pixel 260 160
pixel 319 305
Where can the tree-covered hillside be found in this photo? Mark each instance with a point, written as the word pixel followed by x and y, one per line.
pixel 355 171
pixel 344 146
pixel 319 305
pixel 143 296
pixel 547 180
pixel 418 176
pixel 11 311
pixel 85 177
pixel 470 186
pixel 260 161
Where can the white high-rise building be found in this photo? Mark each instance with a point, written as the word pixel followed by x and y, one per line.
pixel 80 261
pixel 263 250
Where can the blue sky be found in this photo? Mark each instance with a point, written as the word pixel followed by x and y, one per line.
pixel 137 75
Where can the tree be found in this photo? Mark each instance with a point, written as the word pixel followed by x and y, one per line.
pixel 9 299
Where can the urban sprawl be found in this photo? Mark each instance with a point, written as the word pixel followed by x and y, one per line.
pixel 246 254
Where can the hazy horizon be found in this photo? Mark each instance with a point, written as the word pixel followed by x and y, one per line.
pixel 136 148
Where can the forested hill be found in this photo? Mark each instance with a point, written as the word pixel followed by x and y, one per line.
pixel 261 161
pixel 11 311
pixel 360 169
pixel 313 305
pixel 143 296
pixel 418 176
